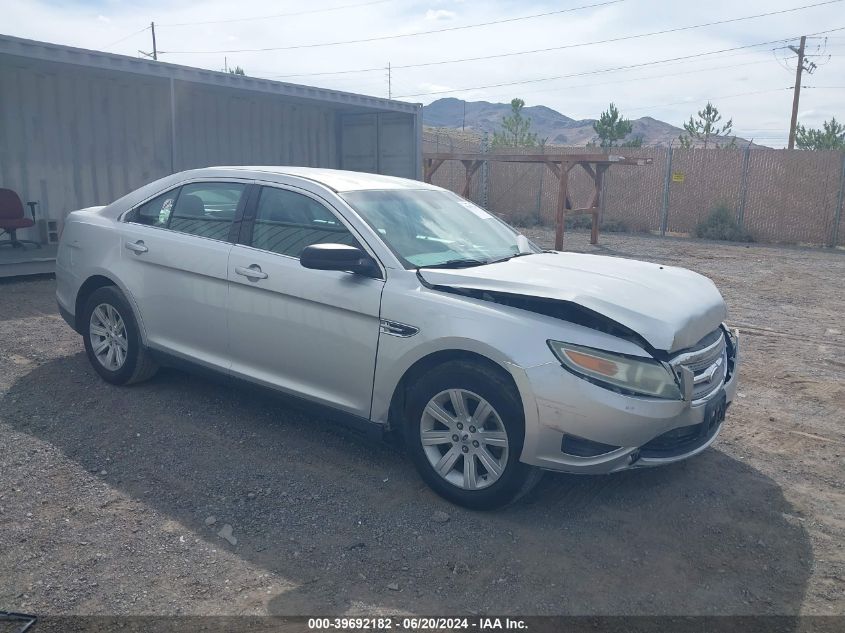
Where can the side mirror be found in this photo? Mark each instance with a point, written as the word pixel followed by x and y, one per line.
pixel 338 257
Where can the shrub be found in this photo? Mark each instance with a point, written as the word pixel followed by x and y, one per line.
pixel 581 221
pixel 722 225
pixel 585 221
pixel 523 220
pixel 614 226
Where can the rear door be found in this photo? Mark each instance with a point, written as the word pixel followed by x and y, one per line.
pixel 312 333
pixel 174 253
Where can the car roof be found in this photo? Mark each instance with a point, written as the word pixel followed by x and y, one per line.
pixel 336 179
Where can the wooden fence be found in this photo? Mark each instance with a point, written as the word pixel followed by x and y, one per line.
pixel 778 196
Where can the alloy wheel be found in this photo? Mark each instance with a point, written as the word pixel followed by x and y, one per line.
pixel 464 439
pixel 107 334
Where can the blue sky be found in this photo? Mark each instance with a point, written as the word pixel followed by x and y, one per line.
pixel 750 85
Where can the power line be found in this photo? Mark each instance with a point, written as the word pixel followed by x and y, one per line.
pixel 416 34
pixel 607 70
pixel 633 79
pixel 617 39
pixel 269 75
pixel 701 99
pixel 123 39
pixel 563 47
pixel 398 87
pixel 280 15
pixel 643 79
pixel 332 72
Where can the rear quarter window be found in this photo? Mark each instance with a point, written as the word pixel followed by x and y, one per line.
pixel 155 212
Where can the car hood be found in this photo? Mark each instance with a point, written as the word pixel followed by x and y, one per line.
pixel 671 308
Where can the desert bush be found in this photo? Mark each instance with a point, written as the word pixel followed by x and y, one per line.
pixel 581 221
pixel 614 226
pixel 585 221
pixel 721 224
pixel 522 220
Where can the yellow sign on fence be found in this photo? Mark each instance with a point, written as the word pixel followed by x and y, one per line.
pixel 677 176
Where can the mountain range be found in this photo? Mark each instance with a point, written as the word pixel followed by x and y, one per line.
pixel 481 116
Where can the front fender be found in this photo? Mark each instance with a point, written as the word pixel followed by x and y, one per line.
pixel 396 356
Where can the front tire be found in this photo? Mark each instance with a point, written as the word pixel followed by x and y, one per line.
pixel 465 430
pixel 113 339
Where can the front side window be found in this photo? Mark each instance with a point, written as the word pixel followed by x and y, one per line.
pixel 286 222
pixel 206 209
pixel 425 227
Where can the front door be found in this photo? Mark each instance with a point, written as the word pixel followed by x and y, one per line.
pixel 312 333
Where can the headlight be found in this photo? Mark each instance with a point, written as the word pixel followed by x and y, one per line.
pixel 617 372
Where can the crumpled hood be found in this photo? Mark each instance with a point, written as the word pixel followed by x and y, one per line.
pixel 671 308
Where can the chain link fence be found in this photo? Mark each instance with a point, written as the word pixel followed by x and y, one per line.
pixel 777 196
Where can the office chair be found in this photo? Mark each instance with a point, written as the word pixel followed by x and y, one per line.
pixel 12 218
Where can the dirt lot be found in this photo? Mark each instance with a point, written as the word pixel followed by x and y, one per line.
pixel 111 499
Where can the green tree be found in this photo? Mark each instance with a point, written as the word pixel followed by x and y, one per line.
pixel 516 129
pixel 706 130
pixel 237 70
pixel 831 136
pixel 613 127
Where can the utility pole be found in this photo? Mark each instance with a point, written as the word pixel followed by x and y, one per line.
pixel 389 83
pixel 155 50
pixel 796 96
pixel 154 54
pixel 464 117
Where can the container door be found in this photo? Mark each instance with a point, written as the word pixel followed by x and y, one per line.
pixel 359 143
pixel 396 145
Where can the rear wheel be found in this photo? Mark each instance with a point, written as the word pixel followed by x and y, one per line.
pixel 465 431
pixel 113 339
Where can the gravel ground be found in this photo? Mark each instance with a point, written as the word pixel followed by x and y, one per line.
pixel 187 496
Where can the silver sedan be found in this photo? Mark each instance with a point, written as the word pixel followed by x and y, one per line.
pixel 402 307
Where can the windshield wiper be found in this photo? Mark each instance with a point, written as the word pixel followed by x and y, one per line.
pixel 457 263
pixel 504 259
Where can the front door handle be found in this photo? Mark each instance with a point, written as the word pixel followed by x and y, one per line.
pixel 252 272
pixel 137 247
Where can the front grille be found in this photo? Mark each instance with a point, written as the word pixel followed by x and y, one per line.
pixel 708 362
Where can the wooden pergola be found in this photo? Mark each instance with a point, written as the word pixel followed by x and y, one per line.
pixel 596 165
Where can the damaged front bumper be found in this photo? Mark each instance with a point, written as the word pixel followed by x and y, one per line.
pixel 575 426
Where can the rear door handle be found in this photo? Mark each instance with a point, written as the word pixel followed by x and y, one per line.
pixel 252 272
pixel 137 247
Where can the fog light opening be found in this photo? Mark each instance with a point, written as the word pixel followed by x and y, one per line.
pixel 580 447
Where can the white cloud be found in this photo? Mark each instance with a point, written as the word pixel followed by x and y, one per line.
pixel 439 14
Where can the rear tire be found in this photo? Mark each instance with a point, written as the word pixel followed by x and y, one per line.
pixel 464 429
pixel 113 339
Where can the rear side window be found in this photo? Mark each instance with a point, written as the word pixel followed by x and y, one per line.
pixel 286 222
pixel 155 212
pixel 206 209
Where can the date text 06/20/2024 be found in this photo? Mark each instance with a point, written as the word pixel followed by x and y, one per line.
pixel 388 623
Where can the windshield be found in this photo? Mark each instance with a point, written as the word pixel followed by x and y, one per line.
pixel 429 228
